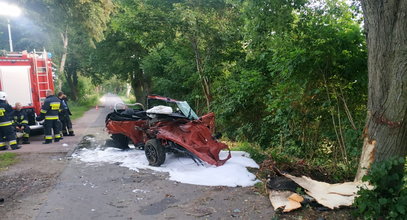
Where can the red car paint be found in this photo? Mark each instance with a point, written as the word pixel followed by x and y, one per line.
pixel 196 136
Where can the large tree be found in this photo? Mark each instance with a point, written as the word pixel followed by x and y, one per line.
pixel 386 128
pixel 137 27
pixel 80 21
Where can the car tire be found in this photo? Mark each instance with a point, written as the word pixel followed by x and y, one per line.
pixel 155 152
pixel 119 141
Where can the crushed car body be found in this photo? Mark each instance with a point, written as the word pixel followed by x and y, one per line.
pixel 160 130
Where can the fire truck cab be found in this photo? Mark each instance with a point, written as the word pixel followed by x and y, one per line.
pixel 26 77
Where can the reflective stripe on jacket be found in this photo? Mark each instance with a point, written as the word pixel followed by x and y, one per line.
pixel 20 117
pixel 51 107
pixel 5 113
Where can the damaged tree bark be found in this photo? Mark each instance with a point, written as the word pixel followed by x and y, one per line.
pixel 64 37
pixel 386 127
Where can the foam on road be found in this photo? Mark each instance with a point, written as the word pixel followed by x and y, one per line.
pixel 233 173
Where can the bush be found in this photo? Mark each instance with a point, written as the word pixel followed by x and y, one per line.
pixel 388 199
pixel 256 153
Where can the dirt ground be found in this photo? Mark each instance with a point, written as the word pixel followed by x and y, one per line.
pixel 24 186
pixel 45 184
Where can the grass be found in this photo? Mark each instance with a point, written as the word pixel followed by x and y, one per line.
pixel 128 100
pixel 7 159
pixel 78 111
pixel 325 170
pixel 79 108
pixel 256 153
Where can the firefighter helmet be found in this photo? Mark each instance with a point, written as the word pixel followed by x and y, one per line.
pixel 3 95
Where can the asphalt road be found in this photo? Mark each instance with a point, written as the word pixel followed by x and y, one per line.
pixel 108 191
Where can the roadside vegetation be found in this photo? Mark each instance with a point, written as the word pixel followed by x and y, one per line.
pixel 388 199
pixel 89 97
pixel 7 159
pixel 288 80
pixel 128 99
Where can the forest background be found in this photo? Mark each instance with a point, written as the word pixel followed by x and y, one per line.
pixel 286 79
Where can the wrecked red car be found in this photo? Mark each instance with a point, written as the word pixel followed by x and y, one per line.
pixel 160 129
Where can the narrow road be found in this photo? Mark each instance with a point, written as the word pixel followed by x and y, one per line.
pixel 109 191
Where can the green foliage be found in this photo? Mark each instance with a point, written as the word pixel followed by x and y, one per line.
pixel 388 198
pixel 256 153
pixel 78 109
pixel 288 77
pixel 128 100
pixel 7 159
pixel 302 85
pixel 85 19
pixel 88 99
pixel 26 35
pixel 114 85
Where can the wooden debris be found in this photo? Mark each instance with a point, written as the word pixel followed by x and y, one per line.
pixel 296 197
pixel 329 195
pixel 285 199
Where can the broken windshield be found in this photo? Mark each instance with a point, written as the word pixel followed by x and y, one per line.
pixel 187 110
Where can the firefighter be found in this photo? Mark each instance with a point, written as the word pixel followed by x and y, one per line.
pixel 6 125
pixel 64 116
pixel 49 111
pixel 21 123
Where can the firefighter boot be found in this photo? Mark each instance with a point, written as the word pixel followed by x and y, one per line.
pixel 25 140
pixel 15 146
pixel 71 133
pixel 3 146
pixel 47 141
pixel 58 137
pixel 65 133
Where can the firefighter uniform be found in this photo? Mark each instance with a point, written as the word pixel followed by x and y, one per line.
pixel 7 133
pixel 65 118
pixel 49 111
pixel 21 124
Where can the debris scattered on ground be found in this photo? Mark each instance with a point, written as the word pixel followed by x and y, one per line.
pixel 282 183
pixel 321 195
pixel 285 199
pixel 329 195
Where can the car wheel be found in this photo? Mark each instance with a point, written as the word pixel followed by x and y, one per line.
pixel 119 141
pixel 155 152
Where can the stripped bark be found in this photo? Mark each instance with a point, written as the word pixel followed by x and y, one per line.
pixel 386 126
pixel 64 37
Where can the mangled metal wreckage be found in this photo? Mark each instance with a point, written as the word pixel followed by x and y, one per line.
pixel 159 130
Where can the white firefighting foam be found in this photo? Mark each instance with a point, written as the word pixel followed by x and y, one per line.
pixel 233 173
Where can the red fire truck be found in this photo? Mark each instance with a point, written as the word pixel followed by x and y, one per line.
pixel 25 77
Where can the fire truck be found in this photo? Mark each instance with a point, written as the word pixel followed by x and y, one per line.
pixel 25 77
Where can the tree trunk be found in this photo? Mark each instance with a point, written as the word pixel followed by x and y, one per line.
pixel 128 90
pixel 136 82
pixel 200 69
pixel 385 132
pixel 64 37
pixel 72 83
